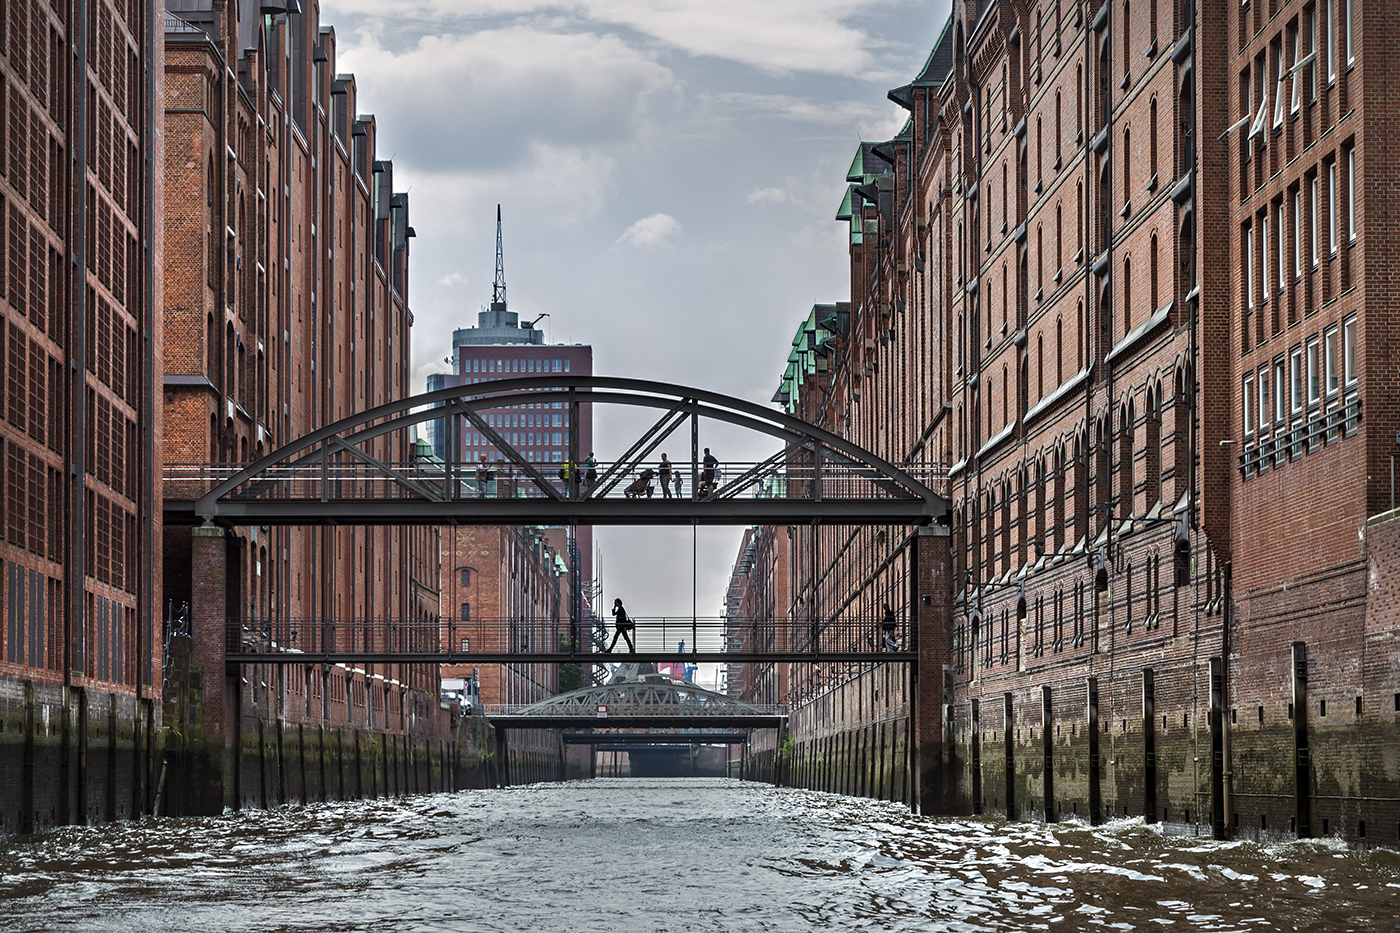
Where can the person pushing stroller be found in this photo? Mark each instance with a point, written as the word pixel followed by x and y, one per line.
pixel 641 486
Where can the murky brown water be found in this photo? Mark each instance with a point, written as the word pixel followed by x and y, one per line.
pixel 672 855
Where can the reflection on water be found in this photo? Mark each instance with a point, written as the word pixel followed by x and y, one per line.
pixel 672 855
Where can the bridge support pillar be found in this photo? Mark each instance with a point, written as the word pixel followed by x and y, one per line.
pixel 931 615
pixel 211 738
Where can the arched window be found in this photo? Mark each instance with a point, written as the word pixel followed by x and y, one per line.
pixel 1059 139
pixel 1039 258
pixel 1040 366
pixel 1152 444
pixel 1127 165
pixel 1126 445
pixel 1059 236
pixel 1152 133
pixel 1127 294
pixel 1059 351
pixel 1103 486
pixel 1057 502
pixel 1152 275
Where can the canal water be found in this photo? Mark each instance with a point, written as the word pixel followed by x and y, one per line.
pixel 672 855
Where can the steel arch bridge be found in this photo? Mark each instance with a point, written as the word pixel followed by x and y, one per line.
pixel 339 474
pixel 639 698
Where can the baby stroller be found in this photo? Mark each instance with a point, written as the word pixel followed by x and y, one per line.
pixel 641 486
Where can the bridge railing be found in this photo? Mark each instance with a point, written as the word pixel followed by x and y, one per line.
pixel 342 477
pixel 674 635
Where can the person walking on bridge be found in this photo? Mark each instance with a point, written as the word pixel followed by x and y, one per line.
pixel 889 624
pixel 663 470
pixel 622 628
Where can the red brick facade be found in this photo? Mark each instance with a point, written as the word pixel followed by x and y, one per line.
pixel 286 308
pixel 1105 227
pixel 505 588
pixel 79 434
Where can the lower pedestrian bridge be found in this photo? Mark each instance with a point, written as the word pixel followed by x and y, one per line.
pixel 637 708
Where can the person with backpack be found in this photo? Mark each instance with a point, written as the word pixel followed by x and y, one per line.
pixel 622 628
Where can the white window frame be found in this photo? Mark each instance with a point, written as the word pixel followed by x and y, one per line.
pixel 1312 54
pixel 1350 33
pixel 1332 208
pixel 1298 234
pixel 1264 242
pixel 1314 359
pixel 1314 188
pixel 1249 267
pixel 1276 53
pixel 1349 352
pixel 1247 404
pixel 1331 42
pixel 1265 399
pixel 1351 194
pixel 1280 392
pixel 1329 361
pixel 1293 77
pixel 1295 378
pixel 1280 225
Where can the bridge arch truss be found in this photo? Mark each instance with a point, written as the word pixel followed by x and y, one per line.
pixel 340 474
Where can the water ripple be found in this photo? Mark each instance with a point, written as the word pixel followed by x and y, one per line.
pixel 672 855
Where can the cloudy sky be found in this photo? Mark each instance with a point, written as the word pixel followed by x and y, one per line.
pixel 668 172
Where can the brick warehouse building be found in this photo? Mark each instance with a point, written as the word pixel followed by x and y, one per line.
pixel 79 240
pixel 287 308
pixel 1110 292
pixel 505 588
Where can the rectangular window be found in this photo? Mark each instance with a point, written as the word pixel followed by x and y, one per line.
pixel 466 577
pixel 1331 50
pixel 1264 399
pixel 1277 56
pixel 1281 225
pixel 1280 391
pixel 1314 372
pixel 1265 243
pixel 1294 78
pixel 1312 188
pixel 1331 208
pixel 1298 234
pixel 1247 404
pixel 566 366
pixel 1329 359
pixel 1351 194
pixel 1295 378
pixel 1349 351
pixel 1249 268
pixel 1350 27
pixel 1311 77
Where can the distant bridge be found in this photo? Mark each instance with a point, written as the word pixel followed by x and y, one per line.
pixel 637 697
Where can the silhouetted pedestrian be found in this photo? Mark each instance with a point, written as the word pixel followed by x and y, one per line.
pixel 663 469
pixel 622 628
pixel 889 623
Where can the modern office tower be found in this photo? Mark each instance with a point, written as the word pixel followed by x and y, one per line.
pixel 498 347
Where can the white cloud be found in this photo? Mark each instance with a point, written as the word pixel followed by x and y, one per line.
pixel 484 100
pixel 769 196
pixel 651 231
pixel 775 36
pixel 453 278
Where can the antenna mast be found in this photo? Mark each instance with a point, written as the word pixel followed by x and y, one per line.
pixel 498 290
